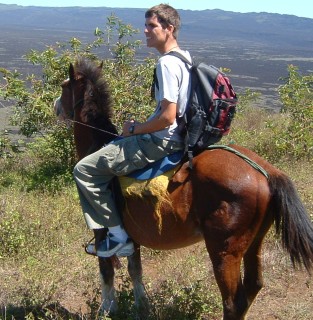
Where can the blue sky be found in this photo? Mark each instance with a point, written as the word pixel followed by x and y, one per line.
pixel 301 8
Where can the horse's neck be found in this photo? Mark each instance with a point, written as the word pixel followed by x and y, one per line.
pixel 83 140
pixel 105 134
pixel 90 139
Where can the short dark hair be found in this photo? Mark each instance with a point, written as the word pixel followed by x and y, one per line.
pixel 166 16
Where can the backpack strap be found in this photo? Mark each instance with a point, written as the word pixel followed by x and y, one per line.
pixel 180 56
pixel 155 78
pixel 155 83
pixel 189 138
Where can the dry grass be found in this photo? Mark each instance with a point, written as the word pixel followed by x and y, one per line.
pixel 45 274
pixel 50 271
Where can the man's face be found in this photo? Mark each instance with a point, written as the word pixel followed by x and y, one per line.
pixel 156 36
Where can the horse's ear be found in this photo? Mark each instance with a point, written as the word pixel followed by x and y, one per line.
pixel 71 72
pixel 101 65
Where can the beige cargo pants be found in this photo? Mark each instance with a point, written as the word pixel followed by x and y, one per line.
pixel 94 173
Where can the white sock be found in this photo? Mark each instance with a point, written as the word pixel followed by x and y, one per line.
pixel 119 233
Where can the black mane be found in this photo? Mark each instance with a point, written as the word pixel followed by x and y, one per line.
pixel 102 96
pixel 98 103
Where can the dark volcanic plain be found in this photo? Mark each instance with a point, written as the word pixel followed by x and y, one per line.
pixel 257 47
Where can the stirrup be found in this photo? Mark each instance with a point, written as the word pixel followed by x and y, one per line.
pixel 90 247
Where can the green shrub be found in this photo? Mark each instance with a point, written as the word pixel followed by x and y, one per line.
pixel 296 95
pixel 277 136
pixel 129 80
pixel 12 239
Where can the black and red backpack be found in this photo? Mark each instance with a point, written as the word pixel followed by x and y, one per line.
pixel 211 106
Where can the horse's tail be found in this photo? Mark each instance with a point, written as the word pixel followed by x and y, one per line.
pixel 292 221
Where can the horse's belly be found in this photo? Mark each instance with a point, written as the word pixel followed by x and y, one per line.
pixel 158 213
pixel 160 228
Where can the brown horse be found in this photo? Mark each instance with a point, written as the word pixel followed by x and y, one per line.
pixel 230 209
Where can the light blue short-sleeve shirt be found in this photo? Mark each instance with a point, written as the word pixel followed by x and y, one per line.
pixel 174 86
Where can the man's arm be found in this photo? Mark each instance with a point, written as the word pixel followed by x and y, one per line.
pixel 165 119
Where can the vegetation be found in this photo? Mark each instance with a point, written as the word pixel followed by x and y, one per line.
pixel 43 269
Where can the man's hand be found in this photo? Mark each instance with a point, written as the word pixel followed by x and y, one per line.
pixel 127 128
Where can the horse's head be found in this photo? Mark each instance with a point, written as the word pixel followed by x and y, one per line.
pixel 85 96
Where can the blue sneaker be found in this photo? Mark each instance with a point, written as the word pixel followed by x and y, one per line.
pixel 111 246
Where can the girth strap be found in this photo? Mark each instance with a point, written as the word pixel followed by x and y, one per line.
pixel 241 155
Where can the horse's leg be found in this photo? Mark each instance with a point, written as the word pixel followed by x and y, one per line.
pixel 108 298
pixel 228 277
pixel 135 272
pixel 226 255
pixel 253 278
pixel 237 295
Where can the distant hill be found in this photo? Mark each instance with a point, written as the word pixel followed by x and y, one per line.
pixel 257 47
pixel 270 29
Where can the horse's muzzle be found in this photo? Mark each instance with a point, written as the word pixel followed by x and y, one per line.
pixel 58 106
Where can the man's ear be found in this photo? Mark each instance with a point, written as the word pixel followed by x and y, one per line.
pixel 170 28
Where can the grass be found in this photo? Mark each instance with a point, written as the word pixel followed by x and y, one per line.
pixel 45 274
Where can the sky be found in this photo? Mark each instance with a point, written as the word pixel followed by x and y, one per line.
pixel 300 8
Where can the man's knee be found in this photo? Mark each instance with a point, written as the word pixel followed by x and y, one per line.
pixel 77 170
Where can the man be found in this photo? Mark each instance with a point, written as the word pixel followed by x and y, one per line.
pixel 143 143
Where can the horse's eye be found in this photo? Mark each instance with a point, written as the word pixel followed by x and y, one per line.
pixel 91 93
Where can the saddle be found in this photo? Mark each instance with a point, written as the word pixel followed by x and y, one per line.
pixel 158 168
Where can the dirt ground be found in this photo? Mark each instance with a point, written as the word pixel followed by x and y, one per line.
pixel 287 293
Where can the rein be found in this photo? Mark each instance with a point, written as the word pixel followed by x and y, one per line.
pixel 87 125
pixel 95 128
